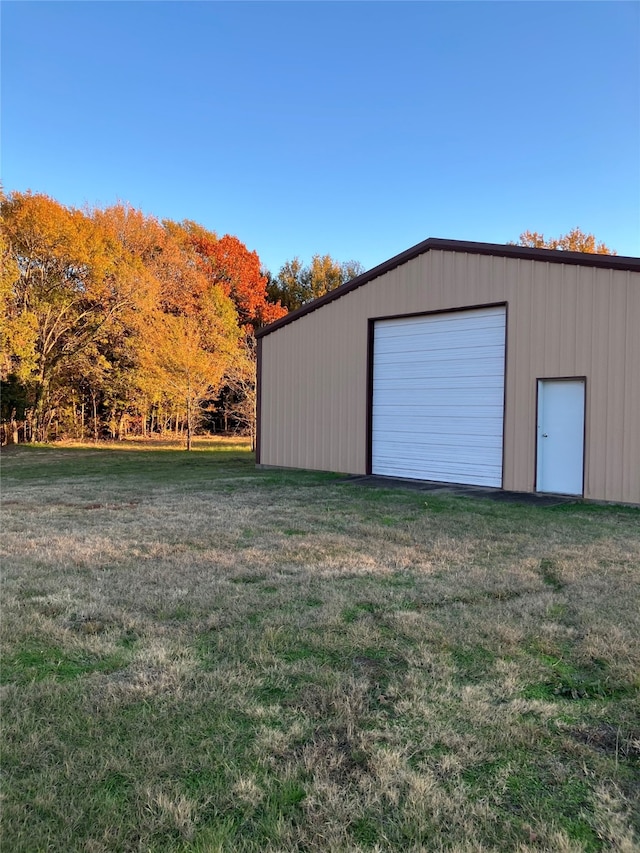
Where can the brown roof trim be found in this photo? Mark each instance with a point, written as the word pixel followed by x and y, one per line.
pixel 554 256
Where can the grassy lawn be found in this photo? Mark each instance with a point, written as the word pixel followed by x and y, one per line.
pixel 200 656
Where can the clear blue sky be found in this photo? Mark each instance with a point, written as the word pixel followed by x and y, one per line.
pixel 350 128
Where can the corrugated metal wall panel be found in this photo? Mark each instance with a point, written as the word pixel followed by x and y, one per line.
pixel 615 394
pixel 562 321
pixel 631 430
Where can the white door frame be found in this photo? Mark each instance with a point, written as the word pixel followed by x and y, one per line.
pixel 579 432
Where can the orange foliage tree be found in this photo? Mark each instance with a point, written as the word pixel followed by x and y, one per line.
pixel 111 318
pixel 185 326
pixel 227 261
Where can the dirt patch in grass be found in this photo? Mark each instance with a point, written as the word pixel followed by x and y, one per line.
pixel 201 656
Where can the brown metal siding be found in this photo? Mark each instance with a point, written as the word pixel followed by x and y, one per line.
pixel 563 320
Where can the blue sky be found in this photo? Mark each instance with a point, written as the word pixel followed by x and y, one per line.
pixel 350 128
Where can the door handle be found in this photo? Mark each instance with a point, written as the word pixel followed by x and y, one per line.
pixel 544 435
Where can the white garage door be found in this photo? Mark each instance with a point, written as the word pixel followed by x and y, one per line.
pixel 438 397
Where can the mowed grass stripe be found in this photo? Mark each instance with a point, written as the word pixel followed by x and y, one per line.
pixel 201 656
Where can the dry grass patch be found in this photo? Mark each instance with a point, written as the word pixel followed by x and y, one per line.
pixel 199 656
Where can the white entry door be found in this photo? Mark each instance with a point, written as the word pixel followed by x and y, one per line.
pixel 560 436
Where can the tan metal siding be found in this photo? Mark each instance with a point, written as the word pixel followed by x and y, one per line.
pixel 562 320
pixel 631 429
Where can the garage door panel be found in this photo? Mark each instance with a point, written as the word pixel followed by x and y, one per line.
pixel 438 453
pixel 447 321
pixel 447 358
pixel 444 471
pixel 441 340
pixel 488 389
pixel 434 399
pixel 431 419
pixel 458 439
pixel 405 393
pixel 439 462
pixel 447 441
pixel 443 350
pixel 442 345
pixel 438 397
pixel 454 377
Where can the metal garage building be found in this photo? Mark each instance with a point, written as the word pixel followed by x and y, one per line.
pixel 468 363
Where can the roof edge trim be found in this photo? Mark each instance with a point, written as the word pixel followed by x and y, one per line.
pixel 554 256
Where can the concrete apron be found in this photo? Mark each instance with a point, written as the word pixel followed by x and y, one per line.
pixel 526 498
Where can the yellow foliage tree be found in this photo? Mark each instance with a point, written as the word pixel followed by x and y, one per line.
pixel 574 241
pixel 65 292
pixel 185 358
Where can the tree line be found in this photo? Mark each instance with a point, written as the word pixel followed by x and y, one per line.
pixel 114 323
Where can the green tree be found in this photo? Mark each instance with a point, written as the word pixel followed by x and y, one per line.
pixel 289 286
pixel 296 284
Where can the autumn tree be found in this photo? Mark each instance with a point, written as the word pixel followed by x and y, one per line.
pixel 238 396
pixel 185 324
pixel 189 356
pixel 110 317
pixel 297 284
pixel 166 271
pixel 289 287
pixel 17 345
pixel 17 334
pixel 65 293
pixel 574 241
pixel 227 262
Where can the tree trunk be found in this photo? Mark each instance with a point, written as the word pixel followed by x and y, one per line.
pixel 188 423
pixel 28 426
pixel 74 413
pixel 38 434
pixel 95 416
